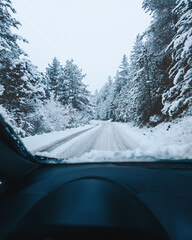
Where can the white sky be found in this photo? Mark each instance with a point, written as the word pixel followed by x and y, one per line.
pixel 95 33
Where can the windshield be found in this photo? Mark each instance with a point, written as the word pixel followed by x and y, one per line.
pixel 98 81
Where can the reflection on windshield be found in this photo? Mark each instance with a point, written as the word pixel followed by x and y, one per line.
pixel 143 112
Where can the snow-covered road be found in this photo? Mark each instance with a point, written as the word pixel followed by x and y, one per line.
pixel 112 141
pixel 105 137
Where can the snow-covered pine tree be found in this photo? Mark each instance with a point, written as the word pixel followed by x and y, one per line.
pixel 140 92
pixel 21 81
pixel 93 101
pixel 10 51
pixel 68 94
pixel 104 100
pixel 54 74
pixel 178 100
pixel 9 48
pixel 77 91
pixel 120 82
pixel 134 84
pixel 157 37
pixel 161 30
pixel 22 93
pixel 122 75
pixel 137 97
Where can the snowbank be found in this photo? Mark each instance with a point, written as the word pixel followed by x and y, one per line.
pixel 167 141
pixel 177 133
pixel 137 155
pixel 35 142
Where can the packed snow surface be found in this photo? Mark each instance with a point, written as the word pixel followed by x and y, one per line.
pixel 36 142
pixel 108 141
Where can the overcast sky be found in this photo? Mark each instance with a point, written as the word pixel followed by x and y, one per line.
pixel 95 33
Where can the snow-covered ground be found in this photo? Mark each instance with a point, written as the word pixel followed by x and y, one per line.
pixel 33 143
pixel 165 141
pixel 116 142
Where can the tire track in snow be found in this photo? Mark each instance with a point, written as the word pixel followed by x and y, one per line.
pixel 121 143
pixel 86 145
pixel 52 146
pixel 106 138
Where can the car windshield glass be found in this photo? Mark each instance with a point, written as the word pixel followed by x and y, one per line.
pixel 98 81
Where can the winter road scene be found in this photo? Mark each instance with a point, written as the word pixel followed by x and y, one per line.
pixel 85 81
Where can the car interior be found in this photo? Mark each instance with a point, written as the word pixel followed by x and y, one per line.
pixel 135 200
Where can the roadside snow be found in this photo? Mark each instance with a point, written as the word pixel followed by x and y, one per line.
pixel 138 155
pixel 171 140
pixel 35 142
pixel 167 141
pixel 56 152
pixel 177 133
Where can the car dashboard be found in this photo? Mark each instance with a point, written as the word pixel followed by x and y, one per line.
pixel 99 201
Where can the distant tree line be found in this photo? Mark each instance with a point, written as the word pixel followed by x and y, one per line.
pixel 155 84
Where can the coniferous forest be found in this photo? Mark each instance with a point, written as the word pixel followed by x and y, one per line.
pixel 152 86
pixel 155 84
pixel 36 102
